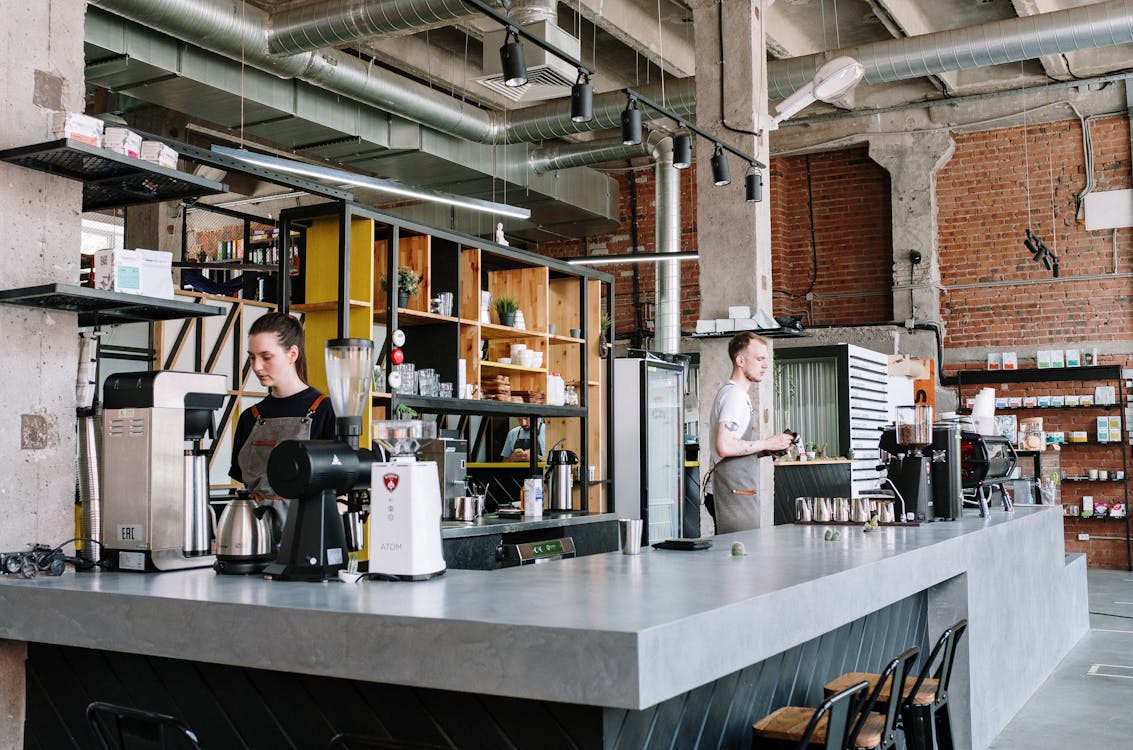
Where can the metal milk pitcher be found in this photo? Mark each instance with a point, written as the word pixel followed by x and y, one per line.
pixel 885 513
pixel 859 509
pixel 822 512
pixel 804 512
pixel 841 509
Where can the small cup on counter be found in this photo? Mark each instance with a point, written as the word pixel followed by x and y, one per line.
pixel 629 533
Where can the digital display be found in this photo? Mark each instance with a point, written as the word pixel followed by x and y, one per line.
pixel 545 549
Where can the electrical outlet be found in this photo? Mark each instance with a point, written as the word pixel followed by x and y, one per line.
pixel 1083 537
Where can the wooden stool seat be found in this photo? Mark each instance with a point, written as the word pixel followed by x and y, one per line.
pixel 787 724
pixel 924 697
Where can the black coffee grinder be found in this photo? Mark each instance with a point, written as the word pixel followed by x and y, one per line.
pixel 314 472
pixel 909 470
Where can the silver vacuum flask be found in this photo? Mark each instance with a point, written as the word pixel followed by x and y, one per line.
pixel 90 499
pixel 197 540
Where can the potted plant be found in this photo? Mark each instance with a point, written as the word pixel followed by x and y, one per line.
pixel 408 282
pixel 505 309
pixel 604 323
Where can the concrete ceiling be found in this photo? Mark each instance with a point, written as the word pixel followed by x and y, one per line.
pixel 627 42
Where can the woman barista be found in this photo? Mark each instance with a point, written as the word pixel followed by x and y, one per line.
pixel 292 410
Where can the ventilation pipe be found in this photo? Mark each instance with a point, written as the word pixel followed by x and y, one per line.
pixel 1009 40
pixel 667 314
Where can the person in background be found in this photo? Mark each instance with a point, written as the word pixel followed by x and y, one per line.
pixel 517 445
pixel 734 447
pixel 292 410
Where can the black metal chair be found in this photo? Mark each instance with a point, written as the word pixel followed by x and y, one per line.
pixel 347 741
pixel 874 730
pixel 828 724
pixel 124 728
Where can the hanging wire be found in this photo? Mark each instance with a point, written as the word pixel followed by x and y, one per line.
pixel 243 8
pixel 1026 154
pixel 837 31
pixel 661 52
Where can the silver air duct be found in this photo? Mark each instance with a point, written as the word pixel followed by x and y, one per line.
pixel 1009 40
pixel 667 318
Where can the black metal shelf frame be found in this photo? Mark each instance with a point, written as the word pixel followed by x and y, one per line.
pixel 99 307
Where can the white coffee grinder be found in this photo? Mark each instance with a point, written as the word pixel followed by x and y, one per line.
pixel 405 504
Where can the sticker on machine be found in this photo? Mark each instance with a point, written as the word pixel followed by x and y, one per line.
pixel 135 533
pixel 390 481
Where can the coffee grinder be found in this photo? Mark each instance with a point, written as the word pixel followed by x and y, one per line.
pixel 154 490
pixel 405 505
pixel 908 469
pixel 312 473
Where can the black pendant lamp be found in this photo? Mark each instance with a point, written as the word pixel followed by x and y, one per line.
pixel 512 64
pixel 682 151
pixel 721 175
pixel 753 185
pixel 582 99
pixel 631 123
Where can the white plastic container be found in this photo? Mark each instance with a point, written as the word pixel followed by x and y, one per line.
pixel 533 497
pixel 556 389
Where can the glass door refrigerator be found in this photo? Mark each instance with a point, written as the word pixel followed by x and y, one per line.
pixel 649 445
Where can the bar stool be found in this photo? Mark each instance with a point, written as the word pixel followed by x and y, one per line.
pixel 785 727
pixel 121 727
pixel 828 724
pixel 924 710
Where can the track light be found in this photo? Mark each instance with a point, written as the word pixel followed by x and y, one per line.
pixel 511 60
pixel 753 185
pixel 631 123
pixel 721 175
pixel 582 99
pixel 682 151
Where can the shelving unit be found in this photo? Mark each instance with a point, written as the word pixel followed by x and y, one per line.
pixel 110 179
pixel 99 307
pixel 350 249
pixel 1074 455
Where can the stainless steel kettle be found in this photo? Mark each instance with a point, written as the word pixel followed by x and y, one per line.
pixel 244 537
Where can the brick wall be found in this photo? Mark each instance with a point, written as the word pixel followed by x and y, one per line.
pixel 831 235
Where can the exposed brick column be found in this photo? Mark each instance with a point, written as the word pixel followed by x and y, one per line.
pixel 912 161
pixel 733 236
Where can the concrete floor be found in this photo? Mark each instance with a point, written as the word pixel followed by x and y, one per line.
pixel 1076 708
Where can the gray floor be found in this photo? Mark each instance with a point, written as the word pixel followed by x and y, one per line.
pixel 1081 706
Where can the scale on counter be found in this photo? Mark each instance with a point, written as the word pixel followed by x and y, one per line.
pixel 529 553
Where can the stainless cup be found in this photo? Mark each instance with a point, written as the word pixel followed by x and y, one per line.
pixel 629 533
pixel 885 512
pixel 354 523
pixel 822 512
pixel 859 510
pixel 841 510
pixel 804 510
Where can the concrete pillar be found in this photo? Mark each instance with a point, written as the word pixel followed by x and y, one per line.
pixel 912 161
pixel 41 56
pixel 733 236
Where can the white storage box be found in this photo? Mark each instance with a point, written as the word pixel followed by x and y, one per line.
pixel 725 325
pixel 744 324
pixel 123 141
pixel 706 326
pixel 157 273
pixel 739 311
pixel 159 154
pixel 118 270
pixel 76 126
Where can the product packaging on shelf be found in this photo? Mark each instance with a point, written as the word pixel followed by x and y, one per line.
pixel 118 270
pixel 994 361
pixel 159 153
pixel 77 127
pixel 123 141
pixel 1010 361
pixel 157 273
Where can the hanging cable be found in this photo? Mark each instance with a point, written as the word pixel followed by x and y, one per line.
pixel 638 320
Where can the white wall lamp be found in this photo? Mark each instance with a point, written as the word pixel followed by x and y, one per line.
pixel 834 79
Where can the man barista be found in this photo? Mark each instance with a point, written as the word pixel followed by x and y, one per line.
pixel 517 445
pixel 734 447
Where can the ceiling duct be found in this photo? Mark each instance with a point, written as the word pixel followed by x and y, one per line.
pixel 548 77
pixel 333 23
pixel 1006 41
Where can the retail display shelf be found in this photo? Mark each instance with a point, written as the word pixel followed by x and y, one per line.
pixel 1033 375
pixel 99 307
pixel 110 179
pixel 436 405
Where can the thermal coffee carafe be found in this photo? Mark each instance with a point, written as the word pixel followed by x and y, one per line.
pixel 405 505
pixel 154 492
pixel 558 478
pixel 313 472
pixel 908 469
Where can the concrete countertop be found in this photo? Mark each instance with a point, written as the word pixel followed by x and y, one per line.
pixel 609 630
pixel 493 524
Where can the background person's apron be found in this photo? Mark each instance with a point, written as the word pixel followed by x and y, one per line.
pixel 736 512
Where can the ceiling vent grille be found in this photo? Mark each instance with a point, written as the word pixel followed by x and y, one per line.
pixel 548 77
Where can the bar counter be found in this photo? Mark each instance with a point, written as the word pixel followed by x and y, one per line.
pixel 632 636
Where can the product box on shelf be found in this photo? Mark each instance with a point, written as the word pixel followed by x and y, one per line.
pixel 994 361
pixel 118 270
pixel 1072 358
pixel 76 126
pixel 1010 361
pixel 157 273
pixel 123 141
pixel 739 311
pixel 159 153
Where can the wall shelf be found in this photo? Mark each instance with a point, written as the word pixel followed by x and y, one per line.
pixel 110 179
pixel 100 307
pixel 768 333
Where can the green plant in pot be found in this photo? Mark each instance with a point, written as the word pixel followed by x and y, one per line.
pixel 604 323
pixel 408 282
pixel 505 309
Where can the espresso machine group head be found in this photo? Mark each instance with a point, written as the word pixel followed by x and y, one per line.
pixel 155 513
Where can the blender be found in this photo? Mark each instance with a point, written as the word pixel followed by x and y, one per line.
pixel 909 469
pixel 313 473
pixel 405 504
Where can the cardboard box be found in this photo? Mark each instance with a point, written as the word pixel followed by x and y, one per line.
pixel 739 311
pixel 1043 358
pixel 706 326
pixel 118 270
pixel 157 273
pixel 725 325
pixel 76 126
pixel 1044 401
pixel 1073 359
pixel 158 153
pixel 1071 399
pixel 1010 361
pixel 744 324
pixel 123 141
pixel 994 361
pixel 1056 358
pixel 1057 400
pixel 1103 430
pixel 1030 402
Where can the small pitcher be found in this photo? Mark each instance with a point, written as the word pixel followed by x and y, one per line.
pixel 885 512
pixel 841 510
pixel 822 512
pixel 859 510
pixel 804 510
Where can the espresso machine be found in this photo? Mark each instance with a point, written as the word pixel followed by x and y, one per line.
pixel 312 473
pixel 908 469
pixel 154 490
pixel 405 505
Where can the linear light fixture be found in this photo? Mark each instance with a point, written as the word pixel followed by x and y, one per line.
pixel 609 260
pixel 374 183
